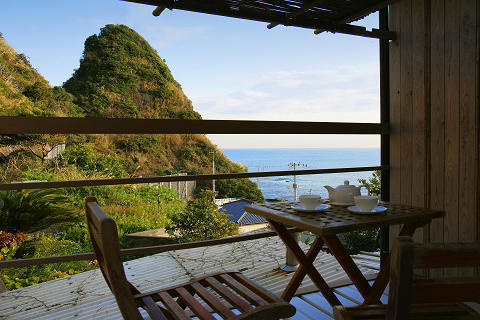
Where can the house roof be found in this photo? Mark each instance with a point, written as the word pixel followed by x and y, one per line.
pixel 238 214
pixel 320 15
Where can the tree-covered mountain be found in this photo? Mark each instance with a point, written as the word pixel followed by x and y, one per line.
pixel 120 75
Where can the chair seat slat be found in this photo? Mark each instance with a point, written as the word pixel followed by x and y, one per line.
pixel 193 304
pixel 242 290
pixel 228 295
pixel 212 301
pixel 172 306
pixel 264 293
pixel 153 309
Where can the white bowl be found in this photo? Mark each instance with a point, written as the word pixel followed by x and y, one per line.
pixel 310 201
pixel 366 203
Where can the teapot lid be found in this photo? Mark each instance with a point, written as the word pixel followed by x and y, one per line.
pixel 345 186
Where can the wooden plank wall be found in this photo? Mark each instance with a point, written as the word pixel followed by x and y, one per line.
pixel 434 89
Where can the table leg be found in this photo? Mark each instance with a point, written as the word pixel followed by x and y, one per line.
pixel 383 276
pixel 347 264
pixel 305 263
pixel 301 272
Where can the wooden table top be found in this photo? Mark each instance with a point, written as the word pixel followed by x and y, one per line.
pixel 338 219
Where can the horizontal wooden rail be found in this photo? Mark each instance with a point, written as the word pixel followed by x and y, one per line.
pixel 157 179
pixel 65 125
pixel 137 251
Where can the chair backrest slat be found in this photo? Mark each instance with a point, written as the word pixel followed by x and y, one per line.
pixel 103 232
pixel 447 255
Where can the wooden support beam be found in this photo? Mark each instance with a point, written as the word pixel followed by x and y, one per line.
pixel 157 179
pixel 66 125
pixel 359 14
pixel 359 31
pixel 158 11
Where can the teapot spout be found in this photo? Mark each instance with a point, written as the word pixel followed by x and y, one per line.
pixel 331 192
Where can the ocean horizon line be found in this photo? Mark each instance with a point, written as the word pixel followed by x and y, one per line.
pixel 328 148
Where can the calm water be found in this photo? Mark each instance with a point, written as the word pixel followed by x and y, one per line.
pixel 278 159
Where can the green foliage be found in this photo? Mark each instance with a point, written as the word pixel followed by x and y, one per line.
pixel 365 240
pixel 36 145
pixel 42 245
pixel 8 252
pixel 239 188
pixel 83 156
pixel 373 183
pixel 201 220
pixel 33 210
pixel 139 143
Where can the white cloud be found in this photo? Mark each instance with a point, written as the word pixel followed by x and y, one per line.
pixel 336 94
pixel 284 95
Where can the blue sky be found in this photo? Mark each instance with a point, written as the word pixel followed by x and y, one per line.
pixel 229 68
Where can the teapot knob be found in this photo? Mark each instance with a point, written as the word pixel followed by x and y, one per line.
pixel 346 182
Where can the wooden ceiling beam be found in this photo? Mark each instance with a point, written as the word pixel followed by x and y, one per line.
pixel 273 17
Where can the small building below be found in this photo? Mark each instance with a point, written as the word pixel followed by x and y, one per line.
pixel 246 221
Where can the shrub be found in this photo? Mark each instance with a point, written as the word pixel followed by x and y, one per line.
pixel 33 210
pixel 365 240
pixel 43 246
pixel 373 183
pixel 84 157
pixel 239 188
pixel 9 239
pixel 201 220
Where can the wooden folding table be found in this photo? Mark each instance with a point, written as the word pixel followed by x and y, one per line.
pixel 326 225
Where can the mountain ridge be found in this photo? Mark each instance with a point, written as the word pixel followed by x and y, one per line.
pixel 120 75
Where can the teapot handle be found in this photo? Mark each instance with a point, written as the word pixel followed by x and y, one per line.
pixel 366 187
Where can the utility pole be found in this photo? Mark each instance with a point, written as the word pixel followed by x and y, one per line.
pixel 258 179
pixel 295 186
pixel 213 169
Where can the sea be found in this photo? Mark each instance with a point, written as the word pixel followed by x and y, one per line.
pixel 281 159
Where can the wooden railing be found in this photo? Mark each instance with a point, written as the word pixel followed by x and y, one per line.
pixel 55 125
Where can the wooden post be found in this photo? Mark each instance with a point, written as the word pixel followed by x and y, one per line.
pixel 385 119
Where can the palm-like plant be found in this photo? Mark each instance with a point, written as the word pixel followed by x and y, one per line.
pixel 34 210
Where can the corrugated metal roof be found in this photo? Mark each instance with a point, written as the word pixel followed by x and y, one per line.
pixel 86 296
pixel 250 218
pixel 238 214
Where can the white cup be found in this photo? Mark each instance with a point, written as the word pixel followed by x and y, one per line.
pixel 310 201
pixel 366 203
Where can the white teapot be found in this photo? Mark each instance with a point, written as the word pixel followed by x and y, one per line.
pixel 343 194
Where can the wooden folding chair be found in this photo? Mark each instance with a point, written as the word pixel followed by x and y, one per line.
pixel 411 298
pixel 227 295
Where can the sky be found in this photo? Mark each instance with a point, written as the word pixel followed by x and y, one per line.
pixel 229 68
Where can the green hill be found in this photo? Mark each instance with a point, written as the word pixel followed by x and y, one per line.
pixel 23 91
pixel 120 75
